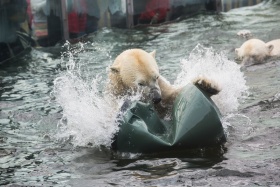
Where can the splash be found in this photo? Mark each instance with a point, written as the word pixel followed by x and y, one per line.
pixel 215 66
pixel 233 129
pixel 88 116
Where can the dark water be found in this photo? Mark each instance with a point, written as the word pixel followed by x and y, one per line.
pixel 31 155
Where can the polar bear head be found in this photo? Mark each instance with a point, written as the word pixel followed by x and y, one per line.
pixel 253 51
pixel 136 69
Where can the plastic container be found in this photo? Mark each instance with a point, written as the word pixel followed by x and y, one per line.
pixel 195 123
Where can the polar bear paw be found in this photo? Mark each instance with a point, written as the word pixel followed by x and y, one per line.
pixel 211 87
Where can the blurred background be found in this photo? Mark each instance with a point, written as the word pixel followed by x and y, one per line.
pixel 44 23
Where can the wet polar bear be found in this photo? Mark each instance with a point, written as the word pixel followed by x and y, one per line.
pixel 136 69
pixel 255 51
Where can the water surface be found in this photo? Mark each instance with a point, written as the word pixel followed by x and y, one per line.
pixel 41 89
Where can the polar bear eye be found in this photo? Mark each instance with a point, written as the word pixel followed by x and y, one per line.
pixel 141 84
pixel 156 77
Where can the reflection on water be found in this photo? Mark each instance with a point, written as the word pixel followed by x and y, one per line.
pixel 30 153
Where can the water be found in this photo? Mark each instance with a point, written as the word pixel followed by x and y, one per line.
pixel 56 124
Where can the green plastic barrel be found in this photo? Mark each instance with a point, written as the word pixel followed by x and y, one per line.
pixel 195 123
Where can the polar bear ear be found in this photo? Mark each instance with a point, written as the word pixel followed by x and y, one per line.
pixel 115 69
pixel 270 48
pixel 236 51
pixel 153 53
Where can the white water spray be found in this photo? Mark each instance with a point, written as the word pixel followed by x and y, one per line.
pixel 88 117
pixel 215 66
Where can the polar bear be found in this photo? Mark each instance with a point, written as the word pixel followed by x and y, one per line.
pixel 255 51
pixel 276 47
pixel 133 69
pixel 136 68
pixel 169 92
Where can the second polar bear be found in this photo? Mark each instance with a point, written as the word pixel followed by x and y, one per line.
pixel 136 68
pixel 255 51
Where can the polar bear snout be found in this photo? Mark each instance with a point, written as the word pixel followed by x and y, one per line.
pixel 155 95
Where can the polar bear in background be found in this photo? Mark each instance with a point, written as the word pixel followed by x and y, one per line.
pixel 255 51
pixel 276 47
pixel 136 69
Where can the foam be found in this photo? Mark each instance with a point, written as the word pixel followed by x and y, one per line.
pixel 215 66
pixel 88 116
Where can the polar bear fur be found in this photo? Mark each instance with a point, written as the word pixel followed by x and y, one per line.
pixel 169 92
pixel 276 47
pixel 255 51
pixel 135 66
pixel 132 69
